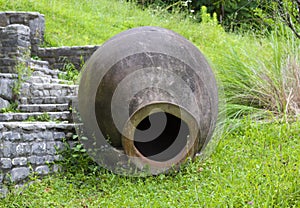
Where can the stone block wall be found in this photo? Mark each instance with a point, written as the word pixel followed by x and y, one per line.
pixel 6 92
pixel 14 46
pixel 34 20
pixel 59 56
pixel 27 147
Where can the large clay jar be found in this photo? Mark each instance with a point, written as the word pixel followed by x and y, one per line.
pixel 147 100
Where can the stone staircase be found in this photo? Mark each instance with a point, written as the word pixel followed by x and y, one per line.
pixel 42 94
pixel 31 135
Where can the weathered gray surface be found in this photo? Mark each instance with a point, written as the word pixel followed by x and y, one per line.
pixel 3 103
pixel 14 45
pixel 133 73
pixel 6 86
pixel 60 56
pixel 26 143
pixel 33 20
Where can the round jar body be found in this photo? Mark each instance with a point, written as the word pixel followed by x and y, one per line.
pixel 148 101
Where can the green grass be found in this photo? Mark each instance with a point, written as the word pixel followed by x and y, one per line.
pixel 260 75
pixel 257 164
pixel 71 22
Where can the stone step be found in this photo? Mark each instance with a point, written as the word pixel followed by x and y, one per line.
pixel 47 80
pixel 38 126
pixel 43 107
pixel 40 74
pixel 47 100
pixel 38 63
pixel 23 139
pixel 32 131
pixel 38 68
pixel 37 77
pixel 8 76
pixel 46 71
pixel 33 142
pixel 41 68
pixel 36 116
pixel 48 89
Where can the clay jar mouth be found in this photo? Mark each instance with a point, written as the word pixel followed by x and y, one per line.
pixel 160 136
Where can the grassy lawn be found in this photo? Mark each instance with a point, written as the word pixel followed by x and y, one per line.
pixel 255 164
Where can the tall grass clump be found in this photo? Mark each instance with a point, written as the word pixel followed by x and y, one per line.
pixel 262 78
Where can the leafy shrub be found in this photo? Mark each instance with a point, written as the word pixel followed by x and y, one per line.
pixel 238 15
pixel 13 107
pixel 23 72
pixel 43 117
pixel 75 159
pixel 69 72
pixel 277 12
pixel 232 14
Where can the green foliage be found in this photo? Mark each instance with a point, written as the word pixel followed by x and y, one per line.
pixel 12 108
pixel 45 117
pixel 237 15
pixel 76 160
pixel 31 119
pixel 69 72
pixel 206 17
pixel 36 58
pixel 287 12
pixel 23 72
pixel 232 14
